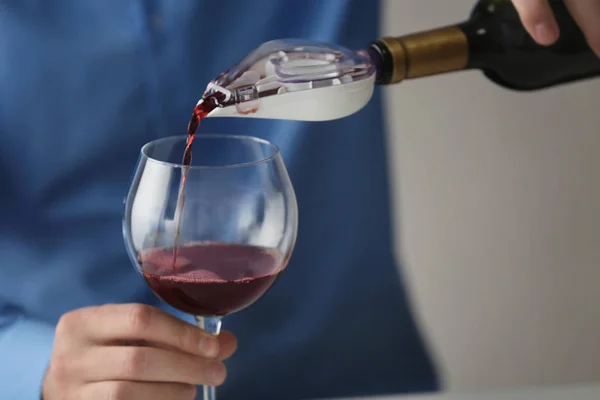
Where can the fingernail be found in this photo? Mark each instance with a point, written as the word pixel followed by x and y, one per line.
pixel 545 33
pixel 209 346
pixel 217 373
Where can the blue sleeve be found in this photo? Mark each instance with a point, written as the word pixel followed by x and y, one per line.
pixel 25 348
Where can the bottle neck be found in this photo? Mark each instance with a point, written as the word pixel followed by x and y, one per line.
pixel 421 54
pixel 493 40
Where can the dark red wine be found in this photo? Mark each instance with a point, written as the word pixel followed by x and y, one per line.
pixel 211 279
pixel 200 112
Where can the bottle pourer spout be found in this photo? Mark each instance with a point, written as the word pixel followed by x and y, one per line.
pixel 213 87
pixel 296 80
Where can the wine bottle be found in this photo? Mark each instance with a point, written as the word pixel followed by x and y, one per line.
pixel 493 40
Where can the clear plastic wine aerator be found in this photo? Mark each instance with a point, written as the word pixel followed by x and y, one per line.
pixel 296 80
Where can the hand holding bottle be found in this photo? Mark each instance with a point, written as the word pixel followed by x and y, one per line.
pixel 539 21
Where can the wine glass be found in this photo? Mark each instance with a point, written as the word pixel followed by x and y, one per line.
pixel 210 238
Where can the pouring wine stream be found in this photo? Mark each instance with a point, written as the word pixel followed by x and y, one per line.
pixel 204 107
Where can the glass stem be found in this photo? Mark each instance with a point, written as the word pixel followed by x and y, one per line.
pixel 211 325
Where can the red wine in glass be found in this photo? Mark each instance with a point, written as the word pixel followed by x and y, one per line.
pixel 211 279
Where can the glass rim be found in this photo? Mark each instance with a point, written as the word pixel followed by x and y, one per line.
pixel 275 148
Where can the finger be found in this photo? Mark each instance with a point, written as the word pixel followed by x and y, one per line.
pixel 587 15
pixel 147 364
pixel 137 391
pixel 227 345
pixel 137 322
pixel 537 17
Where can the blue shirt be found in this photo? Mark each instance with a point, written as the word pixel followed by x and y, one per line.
pixel 85 83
